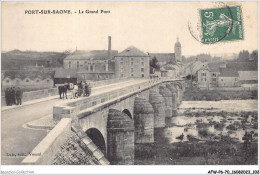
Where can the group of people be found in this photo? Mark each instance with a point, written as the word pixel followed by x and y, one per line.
pixel 13 96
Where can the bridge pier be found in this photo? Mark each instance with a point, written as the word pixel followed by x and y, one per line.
pixel 157 101
pixel 174 92
pixel 167 95
pixel 120 138
pixel 143 121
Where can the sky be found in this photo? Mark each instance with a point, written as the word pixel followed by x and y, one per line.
pixel 150 26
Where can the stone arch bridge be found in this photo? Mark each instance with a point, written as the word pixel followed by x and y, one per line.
pixel 114 121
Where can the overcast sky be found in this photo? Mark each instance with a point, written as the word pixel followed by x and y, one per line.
pixel 150 26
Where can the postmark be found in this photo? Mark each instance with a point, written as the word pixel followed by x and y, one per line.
pixel 221 24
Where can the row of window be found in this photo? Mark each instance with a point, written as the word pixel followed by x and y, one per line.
pixel 132 63
pixel 122 75
pixel 214 79
pixel 27 81
pixel 204 74
pixel 132 59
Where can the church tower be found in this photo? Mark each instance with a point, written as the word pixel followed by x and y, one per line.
pixel 177 51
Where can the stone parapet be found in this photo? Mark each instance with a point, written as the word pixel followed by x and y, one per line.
pixel 44 153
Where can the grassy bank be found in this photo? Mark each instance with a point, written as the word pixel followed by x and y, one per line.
pixel 223 152
pixel 195 94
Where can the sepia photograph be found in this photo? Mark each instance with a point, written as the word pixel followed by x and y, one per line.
pixel 129 83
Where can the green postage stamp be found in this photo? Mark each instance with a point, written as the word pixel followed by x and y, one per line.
pixel 221 24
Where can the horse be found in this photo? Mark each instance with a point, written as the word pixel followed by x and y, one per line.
pixel 63 90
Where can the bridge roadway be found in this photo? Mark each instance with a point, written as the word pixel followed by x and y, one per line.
pixel 18 141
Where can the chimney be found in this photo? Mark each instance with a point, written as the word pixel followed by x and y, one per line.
pixel 109 48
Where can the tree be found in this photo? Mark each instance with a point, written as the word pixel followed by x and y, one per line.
pixel 243 56
pixel 254 56
pixel 154 64
pixel 191 67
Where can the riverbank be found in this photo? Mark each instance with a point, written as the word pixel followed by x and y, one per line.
pixel 224 152
pixel 196 94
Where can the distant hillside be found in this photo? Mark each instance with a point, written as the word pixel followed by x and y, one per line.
pixel 17 59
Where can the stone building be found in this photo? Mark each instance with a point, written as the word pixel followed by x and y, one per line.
pixel 132 63
pixel 232 74
pixel 91 65
pixel 204 77
pixel 32 80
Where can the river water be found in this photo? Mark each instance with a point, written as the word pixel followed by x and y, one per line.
pixel 210 113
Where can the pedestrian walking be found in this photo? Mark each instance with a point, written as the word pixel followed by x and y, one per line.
pixel 19 96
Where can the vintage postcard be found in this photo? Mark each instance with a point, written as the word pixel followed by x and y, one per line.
pixel 129 83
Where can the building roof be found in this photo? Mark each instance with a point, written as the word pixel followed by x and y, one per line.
pixel 163 57
pixel 224 72
pixel 132 52
pixel 28 74
pixel 93 54
pixel 204 68
pixel 169 67
pixel 65 73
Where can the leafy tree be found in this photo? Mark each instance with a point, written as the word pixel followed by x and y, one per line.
pixel 254 56
pixel 243 56
pixel 154 64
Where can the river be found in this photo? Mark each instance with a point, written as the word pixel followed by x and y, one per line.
pixel 197 123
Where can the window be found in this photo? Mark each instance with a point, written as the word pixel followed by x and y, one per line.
pixel 91 68
pixel 121 63
pixel 132 59
pixel 132 63
pixel 87 68
pixel 98 76
pixel 48 81
pixel 132 69
pixel 221 79
pixel 142 75
pixel 142 58
pixel 106 76
pixel 37 81
pixel 122 75
pixel 27 81
pixel 203 74
pixel 132 75
pixel 214 79
pixel 142 69
pixel 77 64
pixel 142 63
pixel 69 64
pixel 104 67
pixel 7 81
pixel 214 75
pixel 122 59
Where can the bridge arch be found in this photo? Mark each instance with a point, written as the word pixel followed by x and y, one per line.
pixel 179 84
pixel 96 136
pixel 127 112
